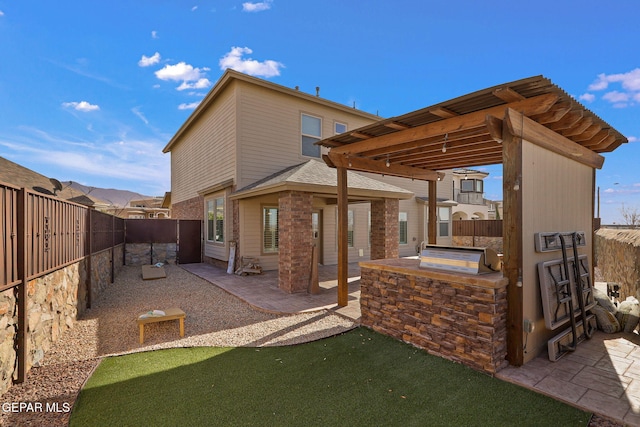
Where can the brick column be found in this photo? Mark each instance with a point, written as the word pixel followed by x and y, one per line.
pixel 294 240
pixel 385 229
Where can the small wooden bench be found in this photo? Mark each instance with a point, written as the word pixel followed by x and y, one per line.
pixel 170 314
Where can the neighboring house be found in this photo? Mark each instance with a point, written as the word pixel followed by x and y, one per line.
pixel 468 191
pixel 142 209
pixel 15 174
pixel 247 163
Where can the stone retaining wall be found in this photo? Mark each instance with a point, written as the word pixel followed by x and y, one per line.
pixel 460 322
pixel 150 253
pixel 617 253
pixel 54 302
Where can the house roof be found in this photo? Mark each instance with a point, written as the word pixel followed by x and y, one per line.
pixel 470 172
pixel 467 131
pixel 314 176
pixel 15 174
pixel 231 75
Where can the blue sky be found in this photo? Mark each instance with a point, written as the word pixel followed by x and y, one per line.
pixel 92 91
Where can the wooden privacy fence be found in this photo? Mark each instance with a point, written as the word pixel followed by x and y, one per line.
pixel 40 234
pixel 478 227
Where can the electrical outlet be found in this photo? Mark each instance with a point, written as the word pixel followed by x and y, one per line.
pixel 528 326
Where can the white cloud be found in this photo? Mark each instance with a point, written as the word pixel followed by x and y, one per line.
pixel 190 106
pixel 234 60
pixel 615 96
pixel 599 84
pixel 146 61
pixel 154 34
pixel 629 84
pixel 1 13
pixel 180 72
pixel 194 8
pixel 191 78
pixel 81 106
pixel 200 84
pixel 257 6
pixel 633 138
pixel 588 97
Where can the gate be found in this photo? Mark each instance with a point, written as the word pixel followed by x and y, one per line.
pixel 189 241
pixel 185 234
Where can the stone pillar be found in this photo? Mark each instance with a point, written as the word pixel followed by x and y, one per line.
pixel 385 229
pixel 294 240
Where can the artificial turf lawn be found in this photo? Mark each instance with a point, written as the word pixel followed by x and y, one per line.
pixel 360 378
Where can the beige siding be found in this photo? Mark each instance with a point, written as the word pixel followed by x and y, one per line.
pixel 251 226
pixel 269 135
pixel 206 154
pixel 557 196
pixel 417 211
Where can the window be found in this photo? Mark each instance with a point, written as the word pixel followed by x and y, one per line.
pixel 269 230
pixel 467 185
pixel 340 128
pixel 403 228
pixel 369 229
pixel 311 133
pixel 471 185
pixel 215 220
pixel 350 226
pixel 444 214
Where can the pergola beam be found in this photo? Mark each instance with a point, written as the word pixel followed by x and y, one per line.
pixel 534 132
pixel 379 166
pixel 535 105
pixel 507 94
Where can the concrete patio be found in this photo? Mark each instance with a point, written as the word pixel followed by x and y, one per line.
pixel 601 376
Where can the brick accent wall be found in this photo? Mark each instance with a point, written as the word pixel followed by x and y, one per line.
pixel 460 318
pixel 385 229
pixel 294 240
pixel 189 209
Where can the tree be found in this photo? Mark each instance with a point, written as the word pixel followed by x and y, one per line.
pixel 630 216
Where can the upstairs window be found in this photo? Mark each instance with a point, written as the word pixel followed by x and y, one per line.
pixel 340 128
pixel 311 133
pixel 471 185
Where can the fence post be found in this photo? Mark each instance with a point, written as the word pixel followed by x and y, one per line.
pixel 113 246
pixel 89 250
pixel 23 272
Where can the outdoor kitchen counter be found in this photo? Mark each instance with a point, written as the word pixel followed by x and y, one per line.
pixel 411 266
pixel 458 316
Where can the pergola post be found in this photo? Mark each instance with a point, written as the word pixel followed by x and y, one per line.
pixel 512 241
pixel 432 232
pixel 343 241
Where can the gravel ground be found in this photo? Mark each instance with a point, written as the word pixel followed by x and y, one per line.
pixel 214 318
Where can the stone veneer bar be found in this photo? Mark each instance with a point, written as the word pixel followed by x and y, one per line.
pixel 460 317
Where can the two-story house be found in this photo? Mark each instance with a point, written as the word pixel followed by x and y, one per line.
pixel 246 162
pixel 468 191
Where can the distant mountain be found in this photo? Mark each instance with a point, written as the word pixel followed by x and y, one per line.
pixel 119 198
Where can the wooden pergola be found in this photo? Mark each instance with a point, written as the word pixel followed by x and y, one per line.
pixel 482 128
